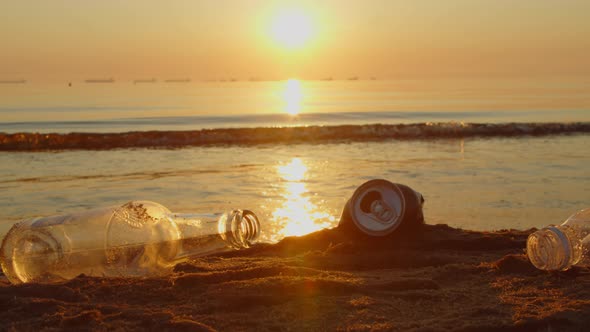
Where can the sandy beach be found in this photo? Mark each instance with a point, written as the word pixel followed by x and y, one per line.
pixel 440 279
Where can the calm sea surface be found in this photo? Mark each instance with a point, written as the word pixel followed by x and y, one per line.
pixel 476 183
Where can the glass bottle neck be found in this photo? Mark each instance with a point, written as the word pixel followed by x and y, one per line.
pixel 202 234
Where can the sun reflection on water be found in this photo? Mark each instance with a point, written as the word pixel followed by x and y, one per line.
pixel 298 215
pixel 293 171
pixel 293 96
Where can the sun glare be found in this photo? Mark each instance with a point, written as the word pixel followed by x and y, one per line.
pixel 292 28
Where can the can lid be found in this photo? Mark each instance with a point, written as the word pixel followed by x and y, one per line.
pixel 377 207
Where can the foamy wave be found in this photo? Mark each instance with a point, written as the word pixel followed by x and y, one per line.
pixel 253 136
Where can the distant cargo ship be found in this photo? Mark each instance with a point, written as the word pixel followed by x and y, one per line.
pixel 13 81
pixel 100 80
pixel 153 80
pixel 180 80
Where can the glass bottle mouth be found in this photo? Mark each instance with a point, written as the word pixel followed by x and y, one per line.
pixel 240 228
pixel 249 227
pixel 549 249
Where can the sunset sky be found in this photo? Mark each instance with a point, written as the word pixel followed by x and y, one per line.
pixel 214 39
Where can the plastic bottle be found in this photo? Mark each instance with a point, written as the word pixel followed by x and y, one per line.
pixel 139 238
pixel 556 248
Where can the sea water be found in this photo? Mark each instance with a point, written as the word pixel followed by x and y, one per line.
pixel 477 183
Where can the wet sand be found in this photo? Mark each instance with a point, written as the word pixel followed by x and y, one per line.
pixel 441 279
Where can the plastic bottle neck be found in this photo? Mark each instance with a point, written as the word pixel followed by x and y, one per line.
pixel 550 249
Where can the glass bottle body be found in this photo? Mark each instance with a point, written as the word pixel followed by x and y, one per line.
pixel 140 238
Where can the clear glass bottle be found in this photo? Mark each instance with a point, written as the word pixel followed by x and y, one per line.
pixel 556 248
pixel 140 238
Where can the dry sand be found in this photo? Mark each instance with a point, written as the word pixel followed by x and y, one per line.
pixel 442 279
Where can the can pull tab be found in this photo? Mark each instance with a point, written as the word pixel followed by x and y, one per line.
pixel 381 211
pixel 373 204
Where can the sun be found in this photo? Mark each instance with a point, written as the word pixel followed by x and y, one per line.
pixel 292 28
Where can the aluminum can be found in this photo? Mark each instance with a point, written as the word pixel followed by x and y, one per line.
pixel 380 207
